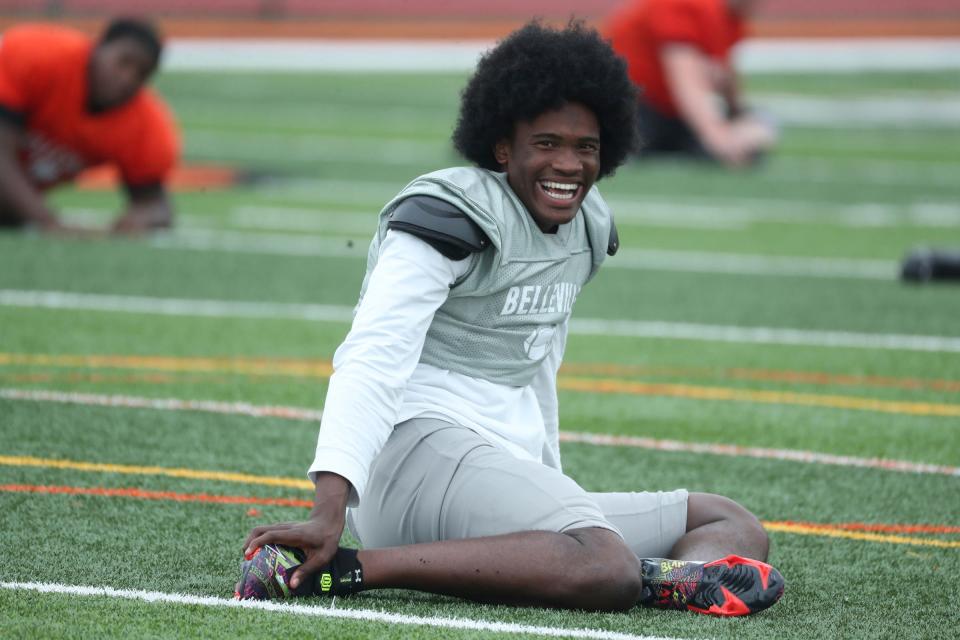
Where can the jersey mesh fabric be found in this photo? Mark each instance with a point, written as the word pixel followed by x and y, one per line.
pixel 500 319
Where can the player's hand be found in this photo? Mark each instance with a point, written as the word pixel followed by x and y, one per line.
pixel 739 143
pixel 132 224
pixel 729 149
pixel 318 537
pixel 56 227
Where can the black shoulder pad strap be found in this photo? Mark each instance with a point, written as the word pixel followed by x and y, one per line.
pixel 440 224
pixel 613 245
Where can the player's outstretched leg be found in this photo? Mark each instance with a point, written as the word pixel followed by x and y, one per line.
pixel 265 574
pixel 731 586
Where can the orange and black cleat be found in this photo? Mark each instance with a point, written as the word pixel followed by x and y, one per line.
pixel 731 586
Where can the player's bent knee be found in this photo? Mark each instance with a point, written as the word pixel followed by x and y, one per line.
pixel 606 576
pixel 706 508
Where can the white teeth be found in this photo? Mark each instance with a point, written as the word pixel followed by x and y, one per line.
pixel 563 186
pixel 559 190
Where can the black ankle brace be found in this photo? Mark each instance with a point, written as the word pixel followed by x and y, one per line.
pixel 342 577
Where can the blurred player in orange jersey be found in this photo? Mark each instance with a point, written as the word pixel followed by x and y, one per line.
pixel 678 53
pixel 68 102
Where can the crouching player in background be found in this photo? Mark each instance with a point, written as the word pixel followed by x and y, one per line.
pixel 679 53
pixel 440 429
pixel 68 103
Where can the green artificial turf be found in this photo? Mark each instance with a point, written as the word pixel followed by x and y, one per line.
pixel 324 152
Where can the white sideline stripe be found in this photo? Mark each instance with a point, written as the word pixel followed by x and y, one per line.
pixel 322 612
pixel 636 259
pixel 792 455
pixel 582 326
pixel 283 244
pixel 638 209
pixel 755 265
pixel 163 404
pixel 596 439
pixel 918 110
pixel 174 306
pixel 839 55
pixel 763 335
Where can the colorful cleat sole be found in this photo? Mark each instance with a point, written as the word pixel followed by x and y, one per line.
pixel 731 586
pixel 265 574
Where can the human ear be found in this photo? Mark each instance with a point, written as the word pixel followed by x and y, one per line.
pixel 501 152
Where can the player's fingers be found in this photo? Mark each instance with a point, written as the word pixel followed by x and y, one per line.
pixel 274 535
pixel 262 529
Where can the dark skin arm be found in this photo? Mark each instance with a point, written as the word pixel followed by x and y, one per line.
pixel 319 536
pixel 148 209
pixel 17 194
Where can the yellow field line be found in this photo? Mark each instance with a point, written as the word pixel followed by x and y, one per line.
pixel 193 474
pixel 758 396
pixel 857 535
pixel 781 527
pixel 323 369
pixel 248 366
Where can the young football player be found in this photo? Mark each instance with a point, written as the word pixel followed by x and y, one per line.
pixel 440 428
pixel 68 102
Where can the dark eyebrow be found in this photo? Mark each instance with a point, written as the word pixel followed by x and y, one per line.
pixel 553 136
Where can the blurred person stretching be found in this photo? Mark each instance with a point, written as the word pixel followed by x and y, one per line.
pixel 678 54
pixel 67 103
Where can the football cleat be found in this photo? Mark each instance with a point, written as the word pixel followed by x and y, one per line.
pixel 265 574
pixel 732 586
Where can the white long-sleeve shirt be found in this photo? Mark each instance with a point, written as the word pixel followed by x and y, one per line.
pixel 379 382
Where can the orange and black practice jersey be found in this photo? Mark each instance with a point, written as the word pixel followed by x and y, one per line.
pixel 43 88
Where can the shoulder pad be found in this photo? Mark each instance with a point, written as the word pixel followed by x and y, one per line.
pixel 440 224
pixel 613 244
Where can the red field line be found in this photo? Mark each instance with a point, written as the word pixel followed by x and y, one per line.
pixel 153 495
pixel 845 530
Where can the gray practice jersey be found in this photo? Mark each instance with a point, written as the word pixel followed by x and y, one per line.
pixel 500 319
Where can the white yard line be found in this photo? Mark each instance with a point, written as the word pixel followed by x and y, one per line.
pixel 597 439
pixel 639 209
pixel 921 109
pixel 261 243
pixel 367 615
pixel 764 335
pixel 793 455
pixel 755 55
pixel 418 156
pixel 303 219
pixel 754 265
pixel 174 306
pixel 582 326
pixel 163 404
pixel 633 259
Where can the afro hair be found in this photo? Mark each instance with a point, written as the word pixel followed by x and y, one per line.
pixel 538 69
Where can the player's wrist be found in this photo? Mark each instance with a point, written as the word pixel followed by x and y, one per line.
pixel 331 494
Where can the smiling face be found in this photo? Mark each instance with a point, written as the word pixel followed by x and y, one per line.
pixel 552 162
pixel 118 69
